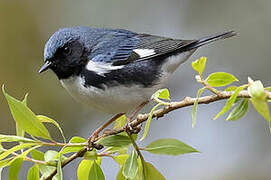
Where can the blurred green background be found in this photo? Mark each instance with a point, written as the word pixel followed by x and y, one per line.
pixel 230 150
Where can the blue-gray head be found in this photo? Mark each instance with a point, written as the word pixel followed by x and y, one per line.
pixel 67 49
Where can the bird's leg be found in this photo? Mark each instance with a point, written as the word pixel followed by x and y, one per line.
pixel 133 114
pixel 95 134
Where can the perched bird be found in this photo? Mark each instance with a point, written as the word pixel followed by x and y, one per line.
pixel 115 70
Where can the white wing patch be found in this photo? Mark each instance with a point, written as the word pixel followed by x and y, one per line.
pixel 101 68
pixel 144 52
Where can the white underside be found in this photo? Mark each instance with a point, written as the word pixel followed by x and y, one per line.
pixel 110 100
pixel 119 98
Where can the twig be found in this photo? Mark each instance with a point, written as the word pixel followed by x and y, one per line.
pixel 181 104
pixel 26 158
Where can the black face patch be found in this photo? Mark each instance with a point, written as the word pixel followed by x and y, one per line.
pixel 69 60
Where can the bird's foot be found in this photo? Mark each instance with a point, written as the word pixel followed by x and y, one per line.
pixel 91 140
pixel 132 130
pixel 128 127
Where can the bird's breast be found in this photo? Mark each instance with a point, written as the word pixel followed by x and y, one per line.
pixel 118 98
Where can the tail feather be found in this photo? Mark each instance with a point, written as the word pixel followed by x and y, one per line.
pixel 209 39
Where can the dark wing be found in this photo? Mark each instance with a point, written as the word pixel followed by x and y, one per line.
pixel 123 47
pixel 150 46
pixel 115 45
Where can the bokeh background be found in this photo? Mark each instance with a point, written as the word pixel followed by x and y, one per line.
pixel 230 150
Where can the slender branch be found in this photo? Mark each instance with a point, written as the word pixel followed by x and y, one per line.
pixel 61 144
pixel 102 154
pixel 26 158
pixel 188 101
pixel 210 88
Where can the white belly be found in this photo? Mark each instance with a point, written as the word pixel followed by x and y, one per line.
pixel 113 100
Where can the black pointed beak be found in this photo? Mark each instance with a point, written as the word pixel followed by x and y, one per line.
pixel 45 66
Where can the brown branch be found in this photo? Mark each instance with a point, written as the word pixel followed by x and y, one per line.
pixel 188 101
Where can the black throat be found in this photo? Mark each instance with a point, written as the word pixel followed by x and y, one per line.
pixel 67 72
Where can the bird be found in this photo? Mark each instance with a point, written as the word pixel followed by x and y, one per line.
pixel 115 70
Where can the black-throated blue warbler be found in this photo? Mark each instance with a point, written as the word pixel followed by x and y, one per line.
pixel 115 70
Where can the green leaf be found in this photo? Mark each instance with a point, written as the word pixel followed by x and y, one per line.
pixel 59 175
pixel 83 169
pixel 220 79
pixel 77 139
pixel 130 167
pixel 91 155
pixel 230 101
pixel 152 173
pixel 25 99
pixel 24 154
pixel 262 108
pixel 120 175
pixel 10 138
pixel 99 161
pixel 19 130
pixel 147 127
pixel 35 154
pixel 256 90
pixel 231 88
pixel 199 65
pixel 258 98
pixel 268 88
pixel 120 150
pixel 139 175
pixel 5 162
pixel 46 119
pixel 161 94
pixel 239 111
pixel 120 122
pixel 74 140
pixel 15 148
pixel 25 118
pixel 169 147
pixel 14 169
pixel 96 172
pixel 45 170
pixel 50 155
pixel 115 141
pixel 194 110
pixel 33 173
pixel 121 159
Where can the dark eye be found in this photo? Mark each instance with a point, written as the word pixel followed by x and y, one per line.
pixel 67 51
